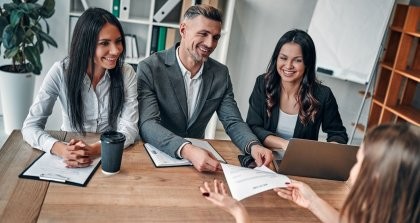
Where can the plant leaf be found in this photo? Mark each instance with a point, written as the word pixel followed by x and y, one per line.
pixel 40 46
pixel 3 24
pixel 49 5
pixel 47 38
pixel 10 6
pixel 47 9
pixel 31 10
pixel 9 53
pixel 15 17
pixel 9 37
pixel 29 7
pixel 33 56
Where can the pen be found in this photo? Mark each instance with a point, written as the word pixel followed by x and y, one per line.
pixel 52 178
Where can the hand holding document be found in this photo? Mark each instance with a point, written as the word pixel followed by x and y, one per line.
pixel 161 159
pixel 244 182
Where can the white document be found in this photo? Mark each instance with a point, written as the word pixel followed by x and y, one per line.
pixel 245 182
pixel 52 168
pixel 124 9
pixel 134 46
pixel 128 46
pixel 161 159
pixel 165 10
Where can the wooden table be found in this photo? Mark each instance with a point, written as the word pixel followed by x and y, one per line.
pixel 139 193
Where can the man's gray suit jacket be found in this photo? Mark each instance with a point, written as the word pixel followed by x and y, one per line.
pixel 163 108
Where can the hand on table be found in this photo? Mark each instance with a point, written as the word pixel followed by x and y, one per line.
pixel 76 153
pixel 201 159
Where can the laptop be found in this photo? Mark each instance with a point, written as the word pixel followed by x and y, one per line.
pixel 316 159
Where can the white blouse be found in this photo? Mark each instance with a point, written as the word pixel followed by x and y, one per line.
pixel 286 125
pixel 95 102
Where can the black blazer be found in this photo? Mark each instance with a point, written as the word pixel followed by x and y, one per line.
pixel 328 116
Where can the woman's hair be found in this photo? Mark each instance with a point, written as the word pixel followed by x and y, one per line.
pixel 81 55
pixel 387 188
pixel 308 105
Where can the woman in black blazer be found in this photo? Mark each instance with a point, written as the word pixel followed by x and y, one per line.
pixel 288 101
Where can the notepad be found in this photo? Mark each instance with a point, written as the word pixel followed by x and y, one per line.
pixel 161 159
pixel 52 168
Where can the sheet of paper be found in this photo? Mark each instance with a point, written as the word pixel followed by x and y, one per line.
pixel 51 167
pixel 245 182
pixel 162 159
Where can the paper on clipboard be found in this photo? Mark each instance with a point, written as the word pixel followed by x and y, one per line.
pixel 51 168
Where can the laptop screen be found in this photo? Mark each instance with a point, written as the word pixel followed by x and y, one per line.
pixel 309 158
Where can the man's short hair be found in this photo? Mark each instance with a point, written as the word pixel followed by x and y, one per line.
pixel 205 10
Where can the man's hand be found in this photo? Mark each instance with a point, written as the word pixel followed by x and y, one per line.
pixel 262 155
pixel 202 159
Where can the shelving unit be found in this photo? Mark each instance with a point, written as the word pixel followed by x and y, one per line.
pixel 140 22
pixel 397 84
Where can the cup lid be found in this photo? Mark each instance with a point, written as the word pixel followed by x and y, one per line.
pixel 112 137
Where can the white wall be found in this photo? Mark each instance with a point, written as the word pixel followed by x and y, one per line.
pixel 257 26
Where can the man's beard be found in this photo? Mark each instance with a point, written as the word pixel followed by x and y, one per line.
pixel 196 57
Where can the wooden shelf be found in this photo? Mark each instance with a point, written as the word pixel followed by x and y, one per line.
pixel 398 78
pixel 415 34
pixel 378 100
pixel 412 74
pixel 408 113
pixel 387 65
pixel 396 28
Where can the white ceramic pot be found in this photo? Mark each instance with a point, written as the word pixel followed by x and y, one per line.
pixel 16 91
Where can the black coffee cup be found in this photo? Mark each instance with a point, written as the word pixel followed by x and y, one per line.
pixel 112 146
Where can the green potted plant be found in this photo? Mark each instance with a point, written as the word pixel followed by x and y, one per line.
pixel 23 32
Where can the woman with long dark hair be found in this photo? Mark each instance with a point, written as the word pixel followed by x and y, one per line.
pixel 288 101
pixel 385 183
pixel 96 90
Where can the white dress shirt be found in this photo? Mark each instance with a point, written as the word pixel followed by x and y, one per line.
pixel 192 89
pixel 192 85
pixel 95 102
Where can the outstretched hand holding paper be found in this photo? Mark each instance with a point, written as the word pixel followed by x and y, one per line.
pixel 244 182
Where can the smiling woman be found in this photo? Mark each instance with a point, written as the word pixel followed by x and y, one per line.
pixel 96 90
pixel 288 101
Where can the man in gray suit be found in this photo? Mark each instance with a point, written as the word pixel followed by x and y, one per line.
pixel 180 89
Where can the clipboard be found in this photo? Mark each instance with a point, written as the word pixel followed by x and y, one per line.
pixel 48 167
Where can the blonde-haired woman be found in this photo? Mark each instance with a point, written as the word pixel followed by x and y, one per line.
pixel 385 183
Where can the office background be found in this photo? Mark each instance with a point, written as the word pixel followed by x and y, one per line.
pixel 257 25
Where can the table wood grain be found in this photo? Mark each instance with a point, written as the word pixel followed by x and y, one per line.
pixel 20 199
pixel 140 192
